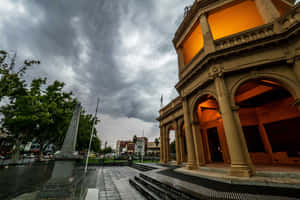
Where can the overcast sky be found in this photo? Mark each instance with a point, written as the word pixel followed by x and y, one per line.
pixel 120 51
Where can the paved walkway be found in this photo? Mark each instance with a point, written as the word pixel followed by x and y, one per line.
pixel 113 184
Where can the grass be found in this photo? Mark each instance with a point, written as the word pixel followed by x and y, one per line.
pixel 146 161
pixel 92 160
pixel 97 160
pixel 116 161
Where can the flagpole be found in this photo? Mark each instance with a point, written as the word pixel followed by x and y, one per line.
pixel 92 133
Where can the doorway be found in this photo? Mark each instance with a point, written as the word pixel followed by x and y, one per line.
pixel 214 145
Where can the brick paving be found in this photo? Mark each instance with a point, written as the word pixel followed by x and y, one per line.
pixel 113 184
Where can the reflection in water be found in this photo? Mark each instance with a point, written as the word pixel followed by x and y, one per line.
pixel 17 180
pixel 27 182
pixel 67 182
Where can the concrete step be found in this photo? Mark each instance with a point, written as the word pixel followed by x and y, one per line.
pixel 171 192
pixel 143 190
pixel 141 167
pixel 160 192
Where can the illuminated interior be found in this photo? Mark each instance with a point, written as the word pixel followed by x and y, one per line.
pixel 281 6
pixel 233 18
pixel 270 122
pixel 192 44
pixel 212 131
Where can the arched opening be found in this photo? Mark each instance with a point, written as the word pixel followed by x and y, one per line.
pixel 270 122
pixel 171 144
pixel 183 147
pixel 212 130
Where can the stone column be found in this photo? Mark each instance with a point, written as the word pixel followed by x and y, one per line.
pixel 205 142
pixel 297 68
pixel 209 45
pixel 161 144
pixel 181 146
pixel 191 164
pixel 199 152
pixel 267 10
pixel 167 145
pixel 240 160
pixel 177 143
pixel 180 59
pixel 164 145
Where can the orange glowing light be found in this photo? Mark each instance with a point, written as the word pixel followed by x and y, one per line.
pixel 193 43
pixel 281 6
pixel 233 18
pixel 207 111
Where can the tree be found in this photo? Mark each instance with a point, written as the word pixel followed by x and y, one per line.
pixel 36 113
pixel 173 147
pixel 156 141
pixel 84 133
pixel 134 139
pixel 54 111
pixel 17 112
pixel 107 150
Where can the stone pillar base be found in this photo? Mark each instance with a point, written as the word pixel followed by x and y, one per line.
pixel 191 166
pixel 241 171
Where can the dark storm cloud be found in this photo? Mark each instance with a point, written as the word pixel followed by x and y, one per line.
pixel 83 43
pixel 98 22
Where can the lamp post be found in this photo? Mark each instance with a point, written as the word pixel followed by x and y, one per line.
pixel 92 133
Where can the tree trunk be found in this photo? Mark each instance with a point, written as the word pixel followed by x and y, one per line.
pixel 41 150
pixel 16 153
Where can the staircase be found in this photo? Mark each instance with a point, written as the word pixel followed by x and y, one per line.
pixel 155 186
pixel 141 167
pixel 155 190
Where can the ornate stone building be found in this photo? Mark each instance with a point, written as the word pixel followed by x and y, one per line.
pixel 239 86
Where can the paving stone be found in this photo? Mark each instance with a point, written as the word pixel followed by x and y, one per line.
pixel 113 184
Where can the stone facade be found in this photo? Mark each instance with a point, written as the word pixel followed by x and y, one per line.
pixel 262 55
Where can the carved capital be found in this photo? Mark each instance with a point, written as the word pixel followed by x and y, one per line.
pixel 203 15
pixel 290 61
pixel 216 71
pixel 235 107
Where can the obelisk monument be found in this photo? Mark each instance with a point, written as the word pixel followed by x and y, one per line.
pixel 62 183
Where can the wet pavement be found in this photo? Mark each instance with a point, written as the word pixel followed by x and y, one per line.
pixel 16 180
pixel 113 184
pixel 105 183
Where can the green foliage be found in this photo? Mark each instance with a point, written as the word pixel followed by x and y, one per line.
pixel 18 112
pixel 84 133
pixel 134 138
pixel 173 147
pixel 54 109
pixel 36 113
pixel 107 150
pixel 156 141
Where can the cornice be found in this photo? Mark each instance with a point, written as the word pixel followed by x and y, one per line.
pixel 198 4
pixel 172 107
pixel 245 41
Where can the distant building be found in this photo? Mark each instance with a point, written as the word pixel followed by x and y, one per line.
pixel 121 147
pixel 141 145
pixel 153 149
pixel 130 147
